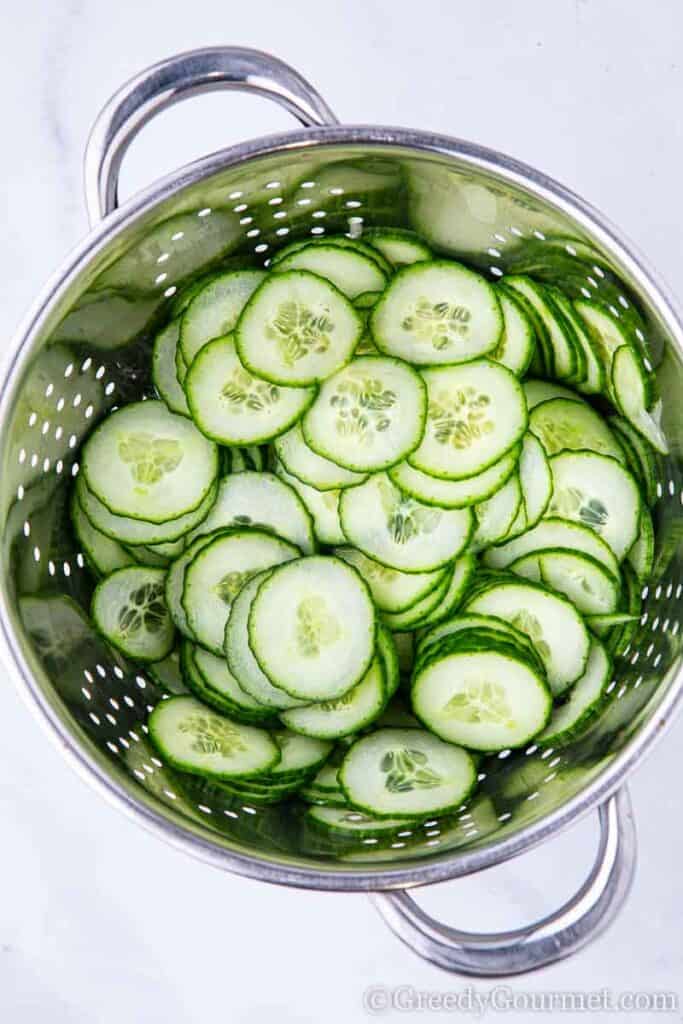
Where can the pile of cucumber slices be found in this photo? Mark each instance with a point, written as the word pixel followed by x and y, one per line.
pixel 380 518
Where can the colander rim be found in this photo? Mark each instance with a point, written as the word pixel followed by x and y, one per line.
pixel 449 864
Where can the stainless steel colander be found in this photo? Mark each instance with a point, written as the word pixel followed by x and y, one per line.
pixel 84 349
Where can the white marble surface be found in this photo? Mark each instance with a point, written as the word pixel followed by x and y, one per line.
pixel 98 921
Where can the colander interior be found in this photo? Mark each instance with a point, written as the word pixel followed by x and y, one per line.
pixel 90 353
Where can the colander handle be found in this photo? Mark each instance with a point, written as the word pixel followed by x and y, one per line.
pixel 177 78
pixel 581 919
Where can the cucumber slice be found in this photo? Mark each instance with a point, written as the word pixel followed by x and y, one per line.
pixel 397 531
pixel 301 755
pixel 606 334
pixel 180 366
pixel 415 616
pixel 400 247
pixel 369 415
pixel 537 391
pixel 367 300
pixel 585 581
pixel 464 622
pixel 175 581
pixel 387 651
pixel 347 714
pixel 310 468
pixel 454 493
pixel 263 501
pixel 563 357
pixel 215 310
pixel 135 531
pixel 519 523
pixel 347 269
pixel 182 299
pixel 143 555
pixel 585 699
pixel 535 478
pixel 593 382
pixel 344 821
pixel 553 625
pixel 338 242
pixel 518 342
pixel 641 556
pixel 562 424
pixel 232 407
pixel 392 591
pixel 632 390
pixel 164 373
pixel 437 312
pixel 598 492
pixel 405 646
pixel 130 610
pixel 218 699
pixel 495 516
pixel 217 676
pixel 476 415
pixel 144 462
pixel 463 572
pixel 218 572
pixel 554 533
pixel 312 628
pixel 483 699
pixel 166 674
pixel 406 773
pixel 322 506
pixel 241 660
pixel 601 624
pixel 641 458
pixel 194 739
pixel 103 554
pixel 297 329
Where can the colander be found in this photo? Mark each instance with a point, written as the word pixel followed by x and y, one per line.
pixel 85 349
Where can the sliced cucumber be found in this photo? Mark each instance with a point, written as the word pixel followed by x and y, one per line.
pixel 437 312
pixel 562 424
pixel 495 516
pixel 397 531
pixel 310 468
pixel 563 359
pixel 537 391
pixel 430 490
pixel 553 625
pixel 345 821
pixel 632 391
pixel 322 506
pixel 166 674
pixel 357 245
pixel 218 699
pixel 232 407
pixel 585 581
pixel 554 533
pixel 164 373
pixel 263 501
pixel 387 651
pixel 598 492
pixel 175 581
pixel 476 414
pixel 144 462
pixel 215 310
pixel 102 553
pixel 194 739
pixel 369 415
pixel 296 330
pixel 406 773
pixel 400 247
pixel 536 481
pixel 415 616
pixel 569 719
pixel 641 555
pixel 593 382
pixel 241 660
pixel 606 334
pixel 641 458
pixel 464 622
pixel 217 676
pixel 518 342
pixel 218 572
pixel 312 628
pixel 129 609
pixel 459 582
pixel 483 699
pixel 346 714
pixel 347 269
pixel 392 591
